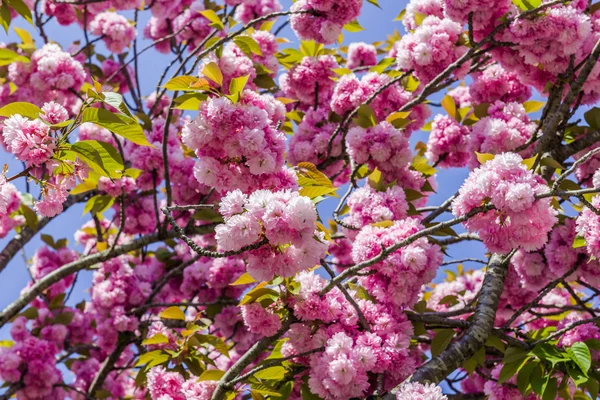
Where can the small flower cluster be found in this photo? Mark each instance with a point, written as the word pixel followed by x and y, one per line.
pixel 397 279
pixel 423 7
pixel 361 54
pixel 171 385
pixel 284 218
pixel 588 226
pixel 431 48
pixel 518 220
pixel 506 127
pixel 368 206
pixel 385 148
pixel 116 31
pixel 418 391
pixel 323 20
pixel 311 141
pixel 448 144
pixel 29 140
pixel 350 92
pixel 237 144
pixel 497 84
pixel 260 320
pixel 465 287
pixel 485 13
pixel 351 356
pixel 310 80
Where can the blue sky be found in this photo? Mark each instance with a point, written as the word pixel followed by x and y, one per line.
pixel 378 23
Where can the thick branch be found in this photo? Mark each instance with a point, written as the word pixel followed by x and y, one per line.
pixel 55 276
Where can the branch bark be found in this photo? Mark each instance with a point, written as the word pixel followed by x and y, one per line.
pixel 44 283
pixel 476 335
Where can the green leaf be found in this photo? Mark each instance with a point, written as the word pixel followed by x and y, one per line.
pixel 580 354
pixel 353 26
pixel 592 117
pixel 316 191
pixel 172 313
pixel 213 18
pixel 211 375
pixel 100 154
pixel 494 341
pixel 8 56
pixel 419 164
pixel 484 157
pixel 248 45
pixel 532 106
pixel 190 101
pixel 181 83
pixel 307 394
pixel 257 293
pixel 419 17
pixel 441 340
pixel 159 338
pixel 593 387
pixel 549 353
pixel 514 354
pixel 116 100
pixel 121 125
pixel 98 204
pixel 526 5
pixel 450 106
pixel 524 374
pixel 24 109
pixel 366 117
pixel 578 242
pixel 21 8
pixel 244 279
pixel 550 390
pixel 272 373
pixel 510 369
pixel 213 72
pixel 31 218
pixel 400 15
pixel 236 86
pixel 152 358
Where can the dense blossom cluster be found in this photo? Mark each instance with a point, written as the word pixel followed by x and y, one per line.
pixel 506 128
pixel 208 238
pixel 285 219
pixel 323 21
pixel 431 48
pixel 249 158
pixel 518 220
pixel 398 278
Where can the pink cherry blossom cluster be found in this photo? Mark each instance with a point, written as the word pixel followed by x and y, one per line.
pixel 9 203
pixel 361 54
pixel 251 9
pixel 323 20
pixel 351 356
pixel 30 141
pixel 260 320
pixel 431 48
pixel 310 80
pixel 368 206
pixel 385 148
pixel 448 144
pixel 237 144
pixel 116 31
pixel 423 7
pixel 397 279
pixel 208 279
pixel 163 384
pixel 350 92
pixel 311 141
pixel 50 76
pixel 418 391
pixel 284 218
pixel 496 84
pixel 518 219
pixel 546 45
pixel 485 13
pixel 506 128
pixel 588 224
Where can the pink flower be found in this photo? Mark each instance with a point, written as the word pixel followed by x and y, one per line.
pixel 327 21
pixel 163 383
pixel 496 84
pixel 418 391
pixel 518 220
pixel 448 143
pixel 311 76
pixel 115 29
pixel 361 54
pixel 259 320
pixel 29 141
pixel 54 113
